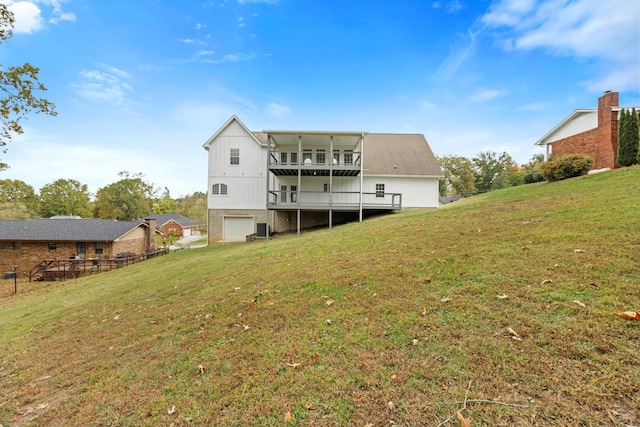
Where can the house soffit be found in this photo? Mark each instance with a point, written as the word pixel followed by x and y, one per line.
pixel 315 138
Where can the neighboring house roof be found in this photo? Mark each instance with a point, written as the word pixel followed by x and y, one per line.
pixel 399 154
pixel 183 221
pixel 449 199
pixel 87 229
pixel 578 121
pixel 224 126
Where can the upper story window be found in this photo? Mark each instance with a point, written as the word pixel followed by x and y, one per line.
pixel 348 157
pixel 283 157
pixel 219 190
pixel 306 156
pixel 234 157
pixel 320 157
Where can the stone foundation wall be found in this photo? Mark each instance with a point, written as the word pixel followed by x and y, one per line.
pixel 216 220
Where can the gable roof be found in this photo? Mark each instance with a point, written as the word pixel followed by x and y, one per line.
pixel 183 221
pixel 232 119
pixel 399 154
pixel 588 117
pixel 58 230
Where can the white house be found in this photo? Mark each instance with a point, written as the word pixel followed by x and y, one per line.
pixel 277 181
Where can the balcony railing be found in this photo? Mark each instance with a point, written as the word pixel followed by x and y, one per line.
pixel 344 200
pixel 350 159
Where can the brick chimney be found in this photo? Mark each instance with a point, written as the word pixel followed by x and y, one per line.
pixel 607 140
pixel 150 235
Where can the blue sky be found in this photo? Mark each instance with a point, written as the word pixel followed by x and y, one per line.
pixel 140 85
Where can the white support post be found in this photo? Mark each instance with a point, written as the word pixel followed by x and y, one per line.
pixel 361 171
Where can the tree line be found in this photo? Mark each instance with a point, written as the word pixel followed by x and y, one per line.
pixel 129 198
pixel 486 171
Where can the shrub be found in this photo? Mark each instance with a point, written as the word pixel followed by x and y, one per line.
pixel 532 176
pixel 563 167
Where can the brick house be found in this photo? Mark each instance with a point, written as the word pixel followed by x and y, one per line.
pixel 591 132
pixel 25 243
pixel 184 225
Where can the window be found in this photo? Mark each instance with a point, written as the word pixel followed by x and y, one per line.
pixel 234 158
pixel 379 190
pixel 3 246
pixel 348 157
pixel 82 248
pixel 16 246
pixel 294 193
pixel 294 158
pixel 336 157
pixel 326 188
pixel 320 157
pixel 283 158
pixel 283 193
pixel 53 246
pixel 219 189
pixel 97 248
pixel 306 157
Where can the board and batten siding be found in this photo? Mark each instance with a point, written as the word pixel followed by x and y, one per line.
pixel 246 182
pixel 417 192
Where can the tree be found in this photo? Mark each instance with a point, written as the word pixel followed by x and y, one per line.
pixel 459 178
pixel 128 199
pixel 492 171
pixel 627 138
pixel 19 192
pixel 165 204
pixel 194 206
pixel 17 87
pixel 65 197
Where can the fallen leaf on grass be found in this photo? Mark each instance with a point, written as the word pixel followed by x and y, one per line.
pixel 465 422
pixel 201 369
pixel 329 302
pixel 394 375
pixel 245 327
pixel 357 398
pixel 445 299
pixel 293 365
pixel 288 417
pixel 503 296
pixel 415 341
pixel 390 404
pixel 315 357
pixel 172 410
pixel 546 282
pixel 328 321
pixel 579 251
pixel 581 304
pixel 424 310
pixel 42 406
pixel 444 387
pixel 514 334
pixel 308 405
pixel 628 315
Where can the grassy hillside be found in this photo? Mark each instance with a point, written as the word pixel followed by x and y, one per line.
pixel 401 319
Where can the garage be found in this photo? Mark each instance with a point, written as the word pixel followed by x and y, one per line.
pixel 237 228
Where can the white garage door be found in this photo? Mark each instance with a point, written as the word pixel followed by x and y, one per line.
pixel 237 228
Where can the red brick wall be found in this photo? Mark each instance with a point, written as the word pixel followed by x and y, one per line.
pixel 600 143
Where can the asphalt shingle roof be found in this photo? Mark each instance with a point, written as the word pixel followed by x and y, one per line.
pixel 184 221
pixel 58 230
pixel 399 154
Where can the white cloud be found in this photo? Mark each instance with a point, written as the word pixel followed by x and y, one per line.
pixel 606 31
pixel 28 17
pixel 457 56
pixel 278 110
pixel 485 95
pixel 205 52
pixel 28 14
pixel 109 84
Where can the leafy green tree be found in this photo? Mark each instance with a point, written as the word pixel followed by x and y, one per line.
pixel 492 170
pixel 14 210
pixel 65 197
pixel 17 191
pixel 17 87
pixel 128 199
pixel 627 138
pixel 165 204
pixel 459 176
pixel 194 206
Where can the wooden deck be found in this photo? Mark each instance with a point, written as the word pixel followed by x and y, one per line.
pixel 72 268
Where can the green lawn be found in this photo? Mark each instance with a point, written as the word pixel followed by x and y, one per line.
pixel 400 319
